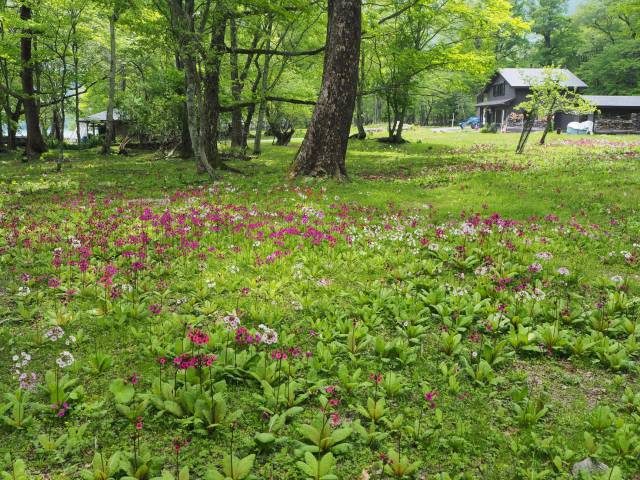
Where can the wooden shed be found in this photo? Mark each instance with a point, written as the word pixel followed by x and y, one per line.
pixel 96 124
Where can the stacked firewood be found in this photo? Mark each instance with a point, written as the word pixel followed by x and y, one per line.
pixel 618 123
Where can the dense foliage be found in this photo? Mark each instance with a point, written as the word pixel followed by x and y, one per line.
pixel 192 72
pixel 599 41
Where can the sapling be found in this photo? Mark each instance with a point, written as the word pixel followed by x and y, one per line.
pixel 546 98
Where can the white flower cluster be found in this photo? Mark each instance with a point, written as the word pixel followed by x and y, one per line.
pixel 74 242
pixel 28 381
pixel 23 291
pixel 269 336
pixel 310 211
pixel 298 269
pixel 20 361
pixel 54 333
pixel 65 359
pixel 459 291
pixel 466 229
pixel 535 267
pixel 481 270
pixel 231 321
pixel 624 253
pixel 544 256
pixel 537 295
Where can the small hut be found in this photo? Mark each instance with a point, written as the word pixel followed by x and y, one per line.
pixel 96 124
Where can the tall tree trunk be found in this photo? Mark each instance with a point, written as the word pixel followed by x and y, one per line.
pixel 236 88
pixel 55 123
pixel 251 108
pixel 35 141
pixel 390 126
pixel 109 131
pixel 262 108
pixel 76 81
pixel 12 143
pixel 62 119
pixel 397 138
pixel 76 96
pixel 183 26
pixel 362 134
pixel 12 123
pixel 211 101
pixel 63 93
pixel 324 147
pixel 58 134
pixel 428 114
pixel 186 147
pixel 193 108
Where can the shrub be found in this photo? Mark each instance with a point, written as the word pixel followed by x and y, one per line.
pixel 490 128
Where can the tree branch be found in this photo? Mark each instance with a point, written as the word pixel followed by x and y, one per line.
pixel 266 51
pixel 296 101
pixel 399 12
pixel 70 95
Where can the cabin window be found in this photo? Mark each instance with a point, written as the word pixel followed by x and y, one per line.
pixel 498 90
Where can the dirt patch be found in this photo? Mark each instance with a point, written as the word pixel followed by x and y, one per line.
pixel 565 382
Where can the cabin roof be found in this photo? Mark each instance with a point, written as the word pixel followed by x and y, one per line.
pixel 498 101
pixel 614 100
pixel 101 116
pixel 525 77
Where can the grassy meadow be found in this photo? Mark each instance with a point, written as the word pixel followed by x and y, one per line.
pixel 452 311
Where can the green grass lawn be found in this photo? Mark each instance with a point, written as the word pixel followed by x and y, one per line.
pixel 452 304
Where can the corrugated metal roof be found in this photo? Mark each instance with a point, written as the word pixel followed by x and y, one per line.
pixel 101 116
pixel 525 77
pixel 489 103
pixel 614 100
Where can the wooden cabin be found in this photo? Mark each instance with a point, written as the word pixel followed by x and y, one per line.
pixel 509 87
pixel 498 103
